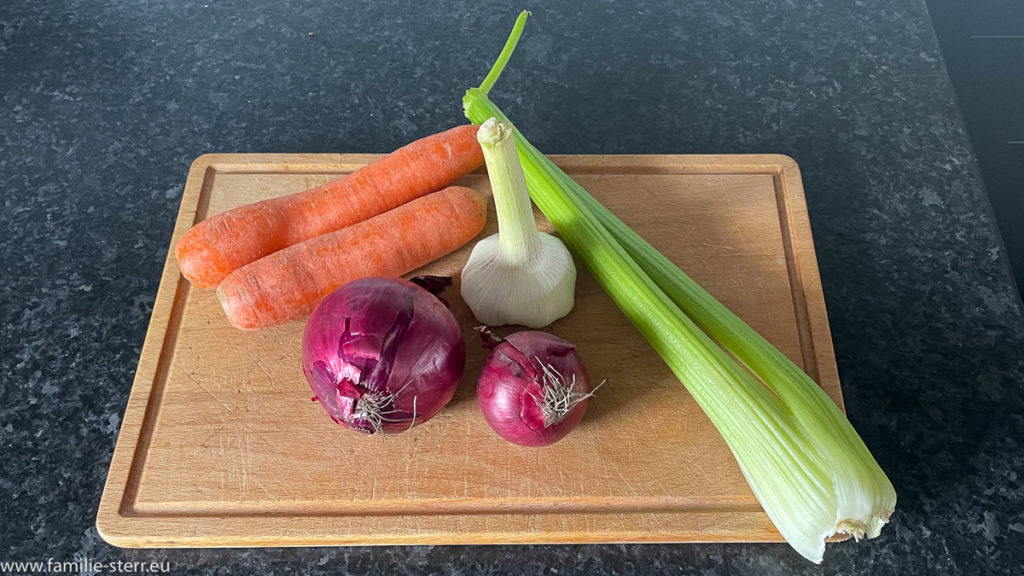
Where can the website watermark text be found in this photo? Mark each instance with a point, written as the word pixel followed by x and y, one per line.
pixel 84 566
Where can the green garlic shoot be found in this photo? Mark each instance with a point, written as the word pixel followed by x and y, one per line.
pixel 519 275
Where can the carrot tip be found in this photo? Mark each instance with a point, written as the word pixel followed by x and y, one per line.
pixel 229 309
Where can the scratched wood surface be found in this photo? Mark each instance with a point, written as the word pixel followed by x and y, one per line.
pixel 221 445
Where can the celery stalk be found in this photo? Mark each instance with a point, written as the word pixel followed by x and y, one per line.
pixel 806 464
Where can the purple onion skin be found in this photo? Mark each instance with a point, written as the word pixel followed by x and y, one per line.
pixel 384 343
pixel 512 382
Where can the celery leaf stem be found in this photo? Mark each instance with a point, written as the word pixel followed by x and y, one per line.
pixel 506 53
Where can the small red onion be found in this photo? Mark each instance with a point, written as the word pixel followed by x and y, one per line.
pixel 383 354
pixel 533 389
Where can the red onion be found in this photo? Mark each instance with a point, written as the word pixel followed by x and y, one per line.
pixel 533 389
pixel 383 354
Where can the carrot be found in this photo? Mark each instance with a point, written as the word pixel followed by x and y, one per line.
pixel 217 246
pixel 291 282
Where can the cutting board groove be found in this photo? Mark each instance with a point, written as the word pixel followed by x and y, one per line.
pixel 220 445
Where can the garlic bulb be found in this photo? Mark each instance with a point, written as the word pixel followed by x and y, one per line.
pixel 519 275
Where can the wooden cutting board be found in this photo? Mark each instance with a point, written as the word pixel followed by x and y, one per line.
pixel 221 445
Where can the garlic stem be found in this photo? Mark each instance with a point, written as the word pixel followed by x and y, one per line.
pixel 518 240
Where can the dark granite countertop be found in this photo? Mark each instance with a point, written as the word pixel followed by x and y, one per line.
pixel 105 104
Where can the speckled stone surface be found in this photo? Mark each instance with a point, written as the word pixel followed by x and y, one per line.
pixel 104 104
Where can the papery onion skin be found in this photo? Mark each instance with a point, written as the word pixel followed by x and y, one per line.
pixel 385 344
pixel 512 384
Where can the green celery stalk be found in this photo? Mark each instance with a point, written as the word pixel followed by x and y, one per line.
pixel 803 460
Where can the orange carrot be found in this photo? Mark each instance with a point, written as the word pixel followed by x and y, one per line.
pixel 291 282
pixel 217 246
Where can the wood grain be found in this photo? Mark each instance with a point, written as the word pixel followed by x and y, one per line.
pixel 221 445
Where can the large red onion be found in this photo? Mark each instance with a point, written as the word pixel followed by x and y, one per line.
pixel 382 354
pixel 533 389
